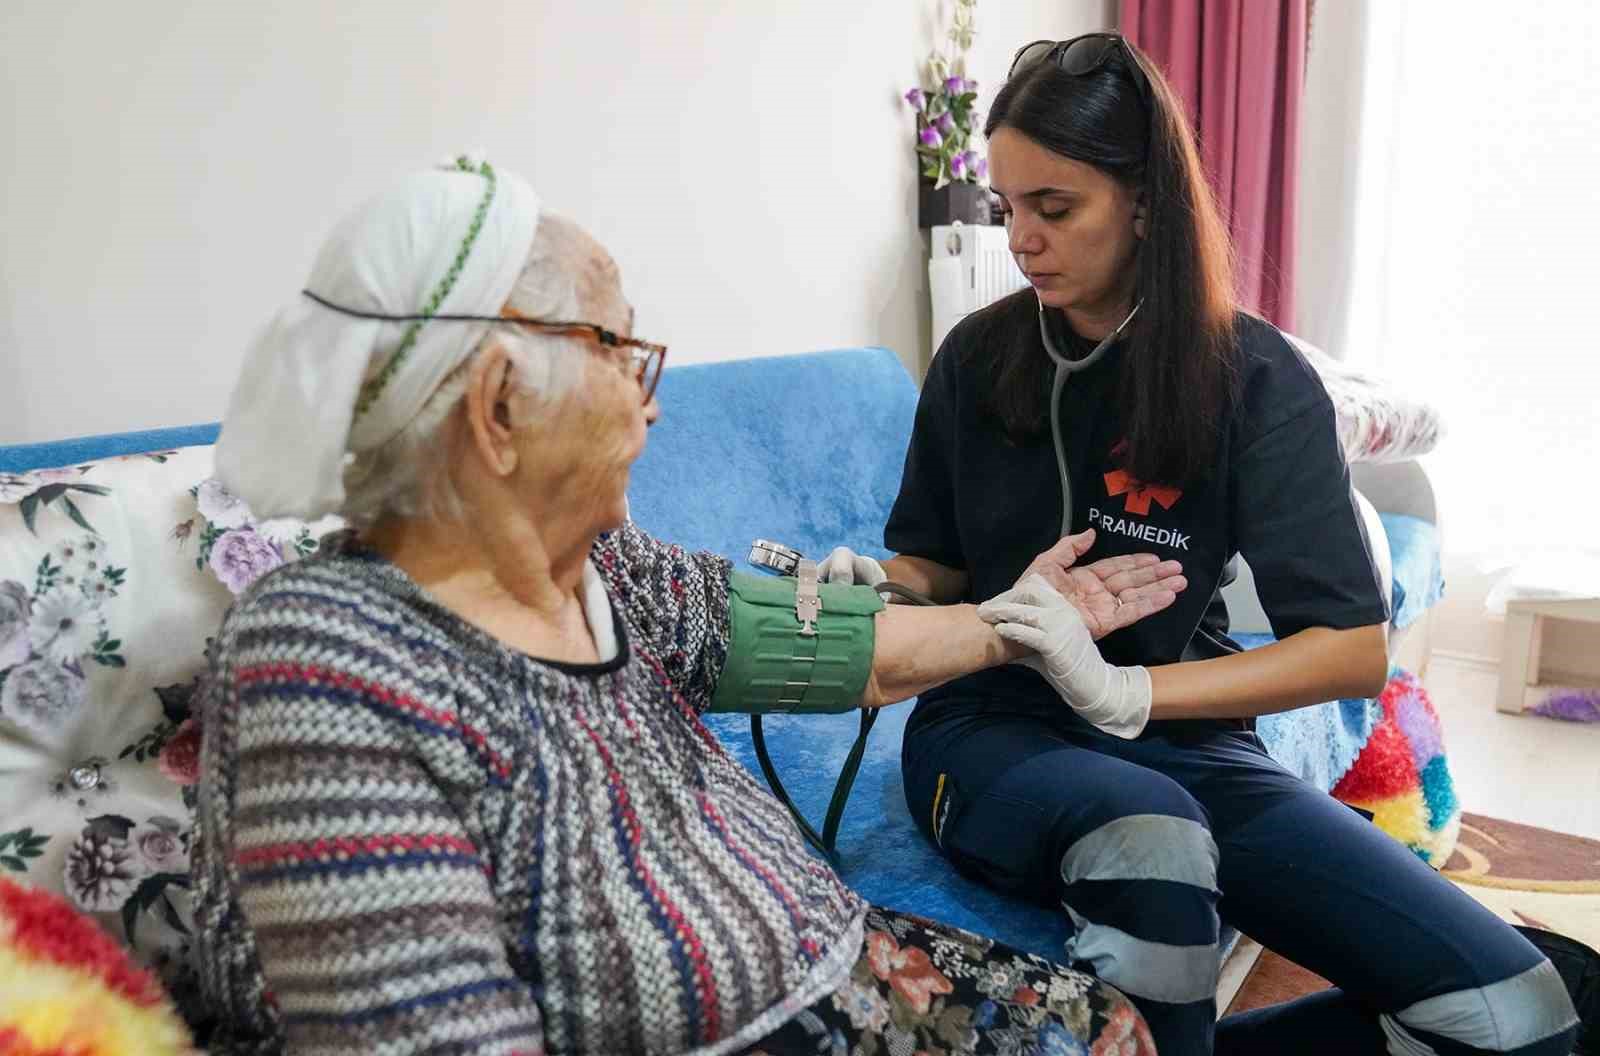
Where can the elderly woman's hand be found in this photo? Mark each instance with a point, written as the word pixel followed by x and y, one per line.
pixel 1113 592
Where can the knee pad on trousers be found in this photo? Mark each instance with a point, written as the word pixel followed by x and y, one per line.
pixel 1529 1014
pixel 1174 859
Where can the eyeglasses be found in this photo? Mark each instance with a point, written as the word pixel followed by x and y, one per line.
pixel 645 358
pixel 1084 55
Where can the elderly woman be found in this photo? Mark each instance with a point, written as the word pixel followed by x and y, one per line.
pixel 456 795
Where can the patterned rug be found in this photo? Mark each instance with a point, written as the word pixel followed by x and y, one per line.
pixel 1525 875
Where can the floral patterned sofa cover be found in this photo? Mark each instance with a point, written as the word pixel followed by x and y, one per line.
pixel 109 572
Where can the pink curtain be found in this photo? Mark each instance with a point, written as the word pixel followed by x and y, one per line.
pixel 1240 65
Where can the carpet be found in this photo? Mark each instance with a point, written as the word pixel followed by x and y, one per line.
pixel 1523 874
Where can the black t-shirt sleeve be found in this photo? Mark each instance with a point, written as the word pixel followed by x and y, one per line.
pixel 922 522
pixel 1298 526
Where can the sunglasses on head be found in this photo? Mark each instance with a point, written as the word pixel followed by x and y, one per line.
pixel 1083 55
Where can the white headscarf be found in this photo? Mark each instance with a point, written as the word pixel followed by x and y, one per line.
pixel 319 383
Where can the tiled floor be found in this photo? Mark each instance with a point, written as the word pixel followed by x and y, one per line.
pixel 1516 767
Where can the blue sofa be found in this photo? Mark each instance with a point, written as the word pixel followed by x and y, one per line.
pixel 807 450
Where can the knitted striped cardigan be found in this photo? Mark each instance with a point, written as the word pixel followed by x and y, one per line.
pixel 414 839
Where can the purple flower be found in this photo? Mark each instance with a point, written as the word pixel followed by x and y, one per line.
pixel 971 160
pixel 958 167
pixel 42 694
pixel 241 557
pixel 983 168
pixel 954 85
pixel 930 136
pixel 160 847
pixel 915 98
pixel 16 610
pixel 946 123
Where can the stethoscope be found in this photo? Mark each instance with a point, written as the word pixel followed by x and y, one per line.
pixel 1064 367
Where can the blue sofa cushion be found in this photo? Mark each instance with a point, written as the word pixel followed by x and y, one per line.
pixel 1418 575
pixel 805 450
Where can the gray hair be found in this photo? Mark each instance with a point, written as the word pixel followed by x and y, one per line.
pixel 410 475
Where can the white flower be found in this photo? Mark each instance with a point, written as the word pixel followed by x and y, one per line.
pixel 1067 986
pixel 65 625
pixel 101 872
pixel 14 487
pixel 281 531
pixel 999 980
pixel 98 589
pixel 221 507
pixel 867 1009
pixel 87 552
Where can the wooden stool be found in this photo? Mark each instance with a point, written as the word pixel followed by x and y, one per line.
pixel 1519 664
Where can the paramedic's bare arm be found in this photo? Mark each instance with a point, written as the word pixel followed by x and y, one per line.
pixel 939 582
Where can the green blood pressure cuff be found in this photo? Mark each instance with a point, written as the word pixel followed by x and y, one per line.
pixel 787 657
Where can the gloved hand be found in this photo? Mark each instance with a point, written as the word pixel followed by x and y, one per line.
pixel 846 566
pixel 1032 613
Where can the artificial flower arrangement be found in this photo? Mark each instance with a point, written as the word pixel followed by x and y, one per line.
pixel 945 107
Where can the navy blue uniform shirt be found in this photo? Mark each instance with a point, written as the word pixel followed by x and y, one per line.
pixel 1280 495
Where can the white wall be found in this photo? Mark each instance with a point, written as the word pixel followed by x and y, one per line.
pixel 173 163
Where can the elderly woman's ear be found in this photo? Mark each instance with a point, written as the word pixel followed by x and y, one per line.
pixel 491 391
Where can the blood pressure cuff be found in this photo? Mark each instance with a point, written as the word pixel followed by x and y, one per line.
pixel 775 666
pixel 805 649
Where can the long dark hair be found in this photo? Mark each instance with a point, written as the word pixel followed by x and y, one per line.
pixel 1179 370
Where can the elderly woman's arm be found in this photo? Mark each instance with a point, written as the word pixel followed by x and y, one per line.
pixel 329 826
pixel 918 648
pixel 681 599
pixel 677 599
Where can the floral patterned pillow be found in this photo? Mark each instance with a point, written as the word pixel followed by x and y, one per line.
pixel 113 577
pixel 1376 421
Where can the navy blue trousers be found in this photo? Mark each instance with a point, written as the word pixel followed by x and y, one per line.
pixel 1151 844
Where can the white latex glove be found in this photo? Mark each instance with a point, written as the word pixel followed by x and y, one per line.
pixel 846 566
pixel 1032 613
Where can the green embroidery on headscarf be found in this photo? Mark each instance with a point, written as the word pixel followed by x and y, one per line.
pixel 373 389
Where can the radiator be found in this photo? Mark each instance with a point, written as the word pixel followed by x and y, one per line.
pixel 968 267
